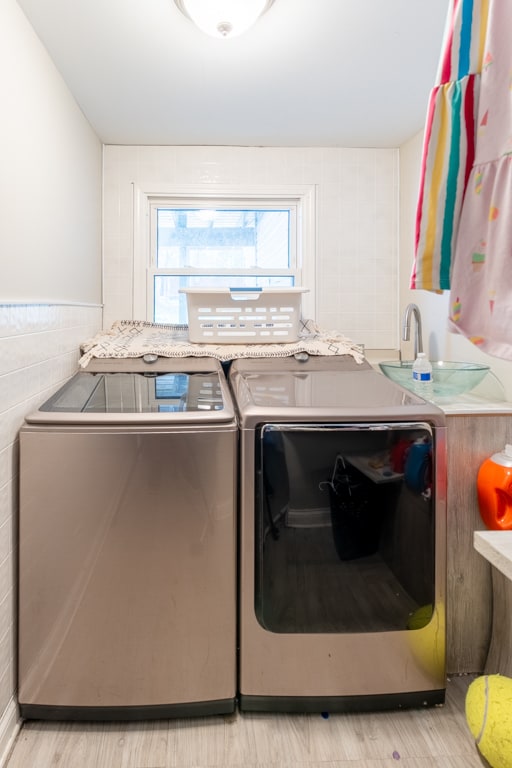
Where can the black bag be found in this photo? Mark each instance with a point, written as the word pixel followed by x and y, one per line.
pixel 355 516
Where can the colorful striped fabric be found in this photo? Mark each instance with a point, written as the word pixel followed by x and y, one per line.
pixel 449 143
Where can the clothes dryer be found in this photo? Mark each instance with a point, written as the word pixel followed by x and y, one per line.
pixel 342 538
pixel 127 566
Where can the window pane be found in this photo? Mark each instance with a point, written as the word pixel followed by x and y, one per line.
pixel 170 306
pixel 210 238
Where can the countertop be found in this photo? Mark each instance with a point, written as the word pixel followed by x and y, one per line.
pixel 496 547
pixel 488 397
pixel 472 403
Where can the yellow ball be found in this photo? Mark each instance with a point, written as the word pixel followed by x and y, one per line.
pixel 427 640
pixel 421 617
pixel 489 717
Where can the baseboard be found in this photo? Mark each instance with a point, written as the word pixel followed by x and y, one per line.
pixel 10 724
pixel 308 518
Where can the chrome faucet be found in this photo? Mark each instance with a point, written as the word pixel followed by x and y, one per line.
pixel 413 309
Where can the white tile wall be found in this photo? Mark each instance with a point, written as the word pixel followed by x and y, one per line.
pixel 39 350
pixel 357 212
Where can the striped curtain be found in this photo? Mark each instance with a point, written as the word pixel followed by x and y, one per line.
pixel 449 143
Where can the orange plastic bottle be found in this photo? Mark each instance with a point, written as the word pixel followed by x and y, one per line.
pixel 494 488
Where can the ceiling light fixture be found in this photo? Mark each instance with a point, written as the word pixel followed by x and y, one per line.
pixel 224 18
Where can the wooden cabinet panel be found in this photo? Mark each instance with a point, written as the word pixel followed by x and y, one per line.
pixel 499 660
pixel 471 439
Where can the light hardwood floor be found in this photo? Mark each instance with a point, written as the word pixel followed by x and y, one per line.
pixel 428 738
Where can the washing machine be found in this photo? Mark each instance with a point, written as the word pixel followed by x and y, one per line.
pixel 127 544
pixel 342 538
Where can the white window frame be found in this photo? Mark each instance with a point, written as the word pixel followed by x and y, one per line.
pixel 146 196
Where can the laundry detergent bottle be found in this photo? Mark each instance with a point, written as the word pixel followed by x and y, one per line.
pixel 494 488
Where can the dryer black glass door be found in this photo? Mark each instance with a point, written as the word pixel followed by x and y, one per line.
pixel 345 527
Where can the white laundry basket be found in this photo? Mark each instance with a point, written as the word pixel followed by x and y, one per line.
pixel 243 315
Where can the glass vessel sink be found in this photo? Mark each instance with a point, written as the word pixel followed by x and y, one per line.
pixel 449 378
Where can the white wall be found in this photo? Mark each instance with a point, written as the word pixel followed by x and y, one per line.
pixel 439 343
pixel 357 212
pixel 51 174
pixel 50 273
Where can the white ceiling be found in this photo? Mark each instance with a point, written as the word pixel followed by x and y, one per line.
pixel 310 73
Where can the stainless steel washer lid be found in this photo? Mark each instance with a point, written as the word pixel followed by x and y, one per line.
pixel 322 388
pixel 130 392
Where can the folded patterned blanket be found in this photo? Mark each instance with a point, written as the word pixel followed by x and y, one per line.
pixel 135 338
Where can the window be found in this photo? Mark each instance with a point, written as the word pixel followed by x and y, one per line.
pixel 217 247
pixel 218 241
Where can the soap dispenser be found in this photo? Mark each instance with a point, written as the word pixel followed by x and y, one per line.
pixel 494 488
